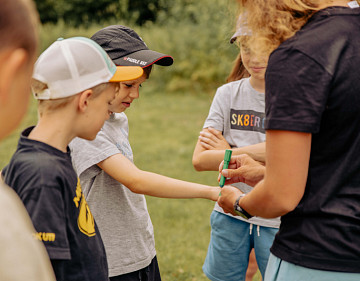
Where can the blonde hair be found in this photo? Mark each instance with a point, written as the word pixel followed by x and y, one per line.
pixel 274 21
pixel 54 104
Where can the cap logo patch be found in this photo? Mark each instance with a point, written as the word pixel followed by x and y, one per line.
pixel 139 62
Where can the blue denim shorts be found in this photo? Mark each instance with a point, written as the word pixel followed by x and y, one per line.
pixel 280 270
pixel 230 245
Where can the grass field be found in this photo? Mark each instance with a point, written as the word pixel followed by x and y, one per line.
pixel 163 132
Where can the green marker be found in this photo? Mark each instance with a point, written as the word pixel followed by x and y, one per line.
pixel 227 158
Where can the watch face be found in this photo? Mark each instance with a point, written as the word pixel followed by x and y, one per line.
pixel 239 213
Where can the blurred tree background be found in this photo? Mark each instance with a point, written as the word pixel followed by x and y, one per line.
pixel 86 12
pixel 195 32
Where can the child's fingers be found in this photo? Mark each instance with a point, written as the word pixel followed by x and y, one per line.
pixel 204 139
pixel 208 135
pixel 215 133
pixel 205 145
pixel 207 141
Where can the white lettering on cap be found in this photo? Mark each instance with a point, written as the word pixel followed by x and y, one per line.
pixel 135 61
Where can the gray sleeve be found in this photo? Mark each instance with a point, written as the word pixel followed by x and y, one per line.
pixel 216 115
pixel 86 154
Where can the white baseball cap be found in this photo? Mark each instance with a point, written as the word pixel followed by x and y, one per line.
pixel 70 66
pixel 242 29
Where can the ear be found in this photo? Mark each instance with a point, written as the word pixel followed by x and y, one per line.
pixel 83 101
pixel 11 63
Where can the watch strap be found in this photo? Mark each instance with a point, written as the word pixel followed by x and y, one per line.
pixel 240 211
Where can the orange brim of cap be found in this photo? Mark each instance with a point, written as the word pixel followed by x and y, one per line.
pixel 126 73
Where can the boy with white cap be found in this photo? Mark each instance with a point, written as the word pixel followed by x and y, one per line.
pixel 113 185
pixel 21 256
pixel 71 81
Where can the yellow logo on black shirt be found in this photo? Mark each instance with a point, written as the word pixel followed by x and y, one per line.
pixel 86 221
pixel 45 236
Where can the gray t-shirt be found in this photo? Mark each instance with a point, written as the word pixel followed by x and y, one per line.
pixel 121 215
pixel 239 112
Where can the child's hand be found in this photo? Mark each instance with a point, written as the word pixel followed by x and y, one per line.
pixel 242 168
pixel 212 139
pixel 229 194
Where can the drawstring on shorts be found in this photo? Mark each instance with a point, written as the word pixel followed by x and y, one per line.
pixel 257 229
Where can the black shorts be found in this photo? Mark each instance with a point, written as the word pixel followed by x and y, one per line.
pixel 149 273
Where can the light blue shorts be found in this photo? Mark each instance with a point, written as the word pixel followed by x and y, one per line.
pixel 230 245
pixel 280 270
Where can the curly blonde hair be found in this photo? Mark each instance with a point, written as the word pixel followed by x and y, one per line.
pixel 274 21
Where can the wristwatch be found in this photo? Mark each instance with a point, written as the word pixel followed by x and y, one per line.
pixel 240 211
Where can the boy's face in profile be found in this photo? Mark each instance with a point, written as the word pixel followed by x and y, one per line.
pixel 129 90
pixel 98 111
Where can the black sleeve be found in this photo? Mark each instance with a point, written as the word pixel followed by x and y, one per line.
pixel 46 207
pixel 296 92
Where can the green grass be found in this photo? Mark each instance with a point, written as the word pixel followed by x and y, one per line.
pixel 163 132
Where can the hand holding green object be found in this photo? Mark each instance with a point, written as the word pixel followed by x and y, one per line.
pixel 227 158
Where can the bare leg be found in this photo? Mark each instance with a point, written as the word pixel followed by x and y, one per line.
pixel 252 266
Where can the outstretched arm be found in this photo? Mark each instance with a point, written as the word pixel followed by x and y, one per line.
pixel 210 149
pixel 142 182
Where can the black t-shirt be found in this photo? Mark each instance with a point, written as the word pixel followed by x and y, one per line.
pixel 313 85
pixel 46 182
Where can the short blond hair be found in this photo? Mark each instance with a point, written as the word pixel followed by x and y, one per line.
pixel 54 104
